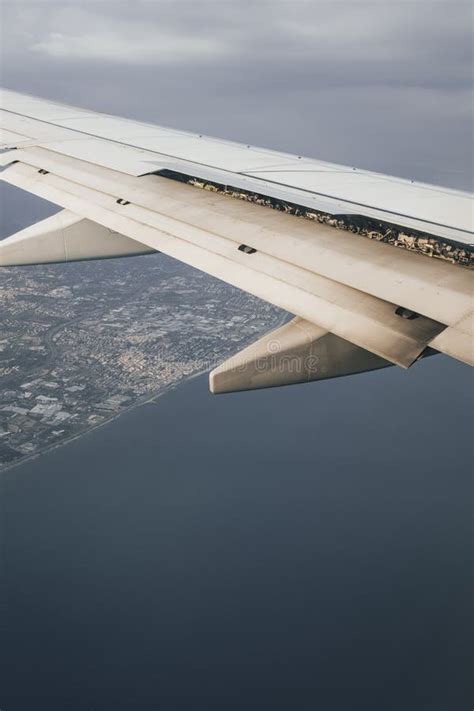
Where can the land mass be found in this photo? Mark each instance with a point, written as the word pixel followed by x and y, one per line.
pixel 82 343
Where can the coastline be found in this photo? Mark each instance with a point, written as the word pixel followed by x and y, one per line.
pixel 139 403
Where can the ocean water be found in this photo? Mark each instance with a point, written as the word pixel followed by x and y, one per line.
pixel 299 548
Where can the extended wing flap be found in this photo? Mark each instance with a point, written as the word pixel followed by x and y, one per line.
pixel 366 321
pixel 458 340
pixel 429 287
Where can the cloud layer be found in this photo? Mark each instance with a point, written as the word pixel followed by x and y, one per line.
pixel 376 84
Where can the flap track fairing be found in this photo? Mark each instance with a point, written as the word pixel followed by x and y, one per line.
pixel 65 237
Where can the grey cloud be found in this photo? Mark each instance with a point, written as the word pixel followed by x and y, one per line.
pixel 381 85
pixel 375 38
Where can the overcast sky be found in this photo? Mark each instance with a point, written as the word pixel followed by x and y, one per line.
pixel 381 85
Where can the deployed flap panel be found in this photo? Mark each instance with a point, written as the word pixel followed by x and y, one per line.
pixel 458 341
pixel 297 352
pixel 65 237
pixel 155 213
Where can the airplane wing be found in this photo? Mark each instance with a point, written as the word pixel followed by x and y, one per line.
pixel 346 251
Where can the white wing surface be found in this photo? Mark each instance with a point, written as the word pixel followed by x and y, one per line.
pixel 129 188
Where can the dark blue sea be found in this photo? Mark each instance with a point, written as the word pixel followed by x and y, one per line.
pixel 300 548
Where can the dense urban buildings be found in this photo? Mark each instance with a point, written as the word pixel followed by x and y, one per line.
pixel 81 343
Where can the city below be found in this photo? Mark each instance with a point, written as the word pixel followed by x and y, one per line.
pixel 81 343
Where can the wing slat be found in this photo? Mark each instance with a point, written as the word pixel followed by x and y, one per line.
pixel 130 145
